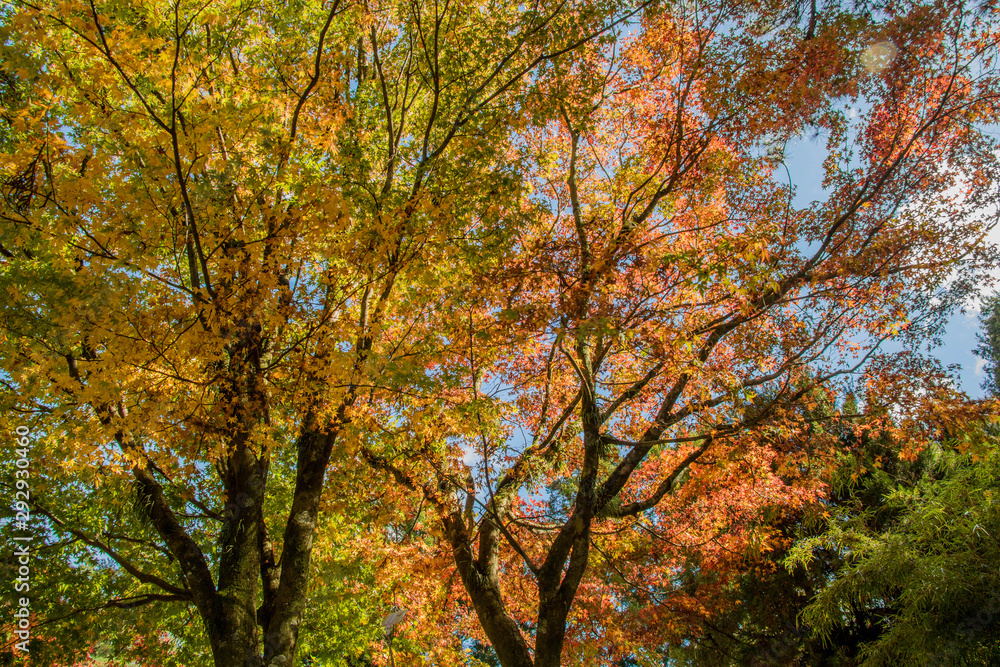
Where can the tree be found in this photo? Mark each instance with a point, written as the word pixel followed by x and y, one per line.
pixel 223 224
pixel 759 620
pixel 753 619
pixel 409 233
pixel 662 278
pixel 919 586
pixel 989 344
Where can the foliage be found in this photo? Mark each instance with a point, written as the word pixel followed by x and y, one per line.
pixel 224 227
pixel 927 581
pixel 753 619
pixel 989 344
pixel 885 559
pixel 635 368
pixel 510 299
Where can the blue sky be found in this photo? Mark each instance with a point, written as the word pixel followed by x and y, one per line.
pixel 804 158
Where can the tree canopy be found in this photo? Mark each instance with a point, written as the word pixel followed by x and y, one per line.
pixel 503 313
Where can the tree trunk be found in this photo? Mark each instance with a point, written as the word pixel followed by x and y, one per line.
pixel 233 632
pixel 233 626
pixel 227 611
pixel 281 639
pixel 483 589
pixel 551 633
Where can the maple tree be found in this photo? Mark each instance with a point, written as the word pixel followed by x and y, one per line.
pixel 535 265
pixel 222 225
pixel 628 379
